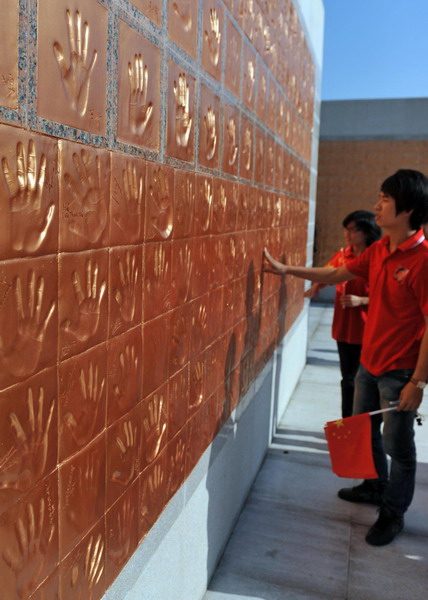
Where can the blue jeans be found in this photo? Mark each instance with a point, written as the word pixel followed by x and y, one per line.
pixel 397 440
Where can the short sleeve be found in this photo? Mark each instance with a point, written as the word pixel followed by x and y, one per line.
pixel 359 265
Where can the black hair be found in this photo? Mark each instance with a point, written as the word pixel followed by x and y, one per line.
pixel 364 221
pixel 409 189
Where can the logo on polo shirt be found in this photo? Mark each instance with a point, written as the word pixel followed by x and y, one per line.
pixel 400 274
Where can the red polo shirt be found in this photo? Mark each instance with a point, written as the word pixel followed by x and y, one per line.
pixel 398 283
pixel 348 323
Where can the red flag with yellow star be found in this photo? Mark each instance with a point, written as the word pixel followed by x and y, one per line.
pixel 350 445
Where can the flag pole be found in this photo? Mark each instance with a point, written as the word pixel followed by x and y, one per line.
pixel 382 410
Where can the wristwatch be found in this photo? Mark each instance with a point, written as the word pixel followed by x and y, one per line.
pixel 419 384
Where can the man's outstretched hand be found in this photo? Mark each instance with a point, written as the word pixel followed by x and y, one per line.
pixel 270 265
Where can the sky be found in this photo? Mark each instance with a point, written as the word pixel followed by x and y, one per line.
pixel 375 49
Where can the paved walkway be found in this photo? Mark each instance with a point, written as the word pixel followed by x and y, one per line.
pixel 295 539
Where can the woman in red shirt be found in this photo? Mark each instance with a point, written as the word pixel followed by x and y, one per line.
pixel 350 304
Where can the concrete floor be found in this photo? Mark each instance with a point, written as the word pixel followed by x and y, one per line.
pixel 295 539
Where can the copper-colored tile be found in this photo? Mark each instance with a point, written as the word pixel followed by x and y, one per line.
pixel 253 206
pixel 49 590
pixel 197 382
pixel 84 188
pixel 279 161
pixel 183 24
pixel 231 143
pixel 215 373
pixel 121 532
pixel 232 73
pixel 199 324
pixel 124 362
pixel 81 483
pixel 215 314
pixel 158 297
pixel 125 288
pixel 243 203
pixel 28 193
pixel 182 269
pixel 123 454
pixel 28 317
pixel 249 77
pixel 179 345
pixel 82 400
pixel 232 192
pixel 159 202
pixel 228 306
pixel 156 346
pixel 151 8
pixel 203 205
pixel 29 436
pixel 178 401
pixel 220 201
pixel 154 426
pixel 212 26
pixel 184 200
pixel 181 113
pixel 280 114
pixel 272 108
pixel 153 487
pixel 9 54
pixel 176 462
pixel 128 191
pixel 194 441
pixel 216 261
pixel 240 254
pixel 71 62
pixel 83 282
pixel 29 534
pixel 209 128
pixel 261 150
pixel 262 81
pixel 270 161
pixel 139 89
pixel 247 148
pixel 82 573
pixel 200 278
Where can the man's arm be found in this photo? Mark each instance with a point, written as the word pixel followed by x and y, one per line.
pixel 411 395
pixel 327 275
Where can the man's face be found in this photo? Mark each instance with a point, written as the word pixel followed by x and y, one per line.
pixel 386 214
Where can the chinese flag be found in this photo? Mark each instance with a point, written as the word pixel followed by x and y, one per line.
pixel 350 445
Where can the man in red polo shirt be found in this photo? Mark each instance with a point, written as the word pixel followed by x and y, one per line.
pixel 394 357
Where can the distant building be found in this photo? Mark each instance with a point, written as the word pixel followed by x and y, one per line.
pixel 361 143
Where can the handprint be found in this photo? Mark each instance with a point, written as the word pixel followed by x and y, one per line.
pixel 160 196
pixel 123 534
pixel 76 77
pixel 184 14
pixel 196 382
pixel 128 215
pixel 211 137
pixel 140 110
pixel 247 149
pixel 250 76
pixel 183 210
pixel 208 197
pixel 82 428
pixel 127 451
pixel 179 338
pixel 126 393
pixel 25 464
pixel 213 37
pixel 233 148
pixel 185 267
pixel 83 581
pixel 22 357
pixel 82 486
pixel 154 427
pixel 126 296
pixel 152 493
pixel 28 560
pixel 183 120
pixel 28 226
pixel 87 212
pixel 89 305
pixel 161 265
pixel 177 466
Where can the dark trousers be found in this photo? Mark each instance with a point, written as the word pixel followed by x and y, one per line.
pixel 349 356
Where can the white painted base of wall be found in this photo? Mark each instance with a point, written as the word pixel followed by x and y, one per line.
pixel 179 555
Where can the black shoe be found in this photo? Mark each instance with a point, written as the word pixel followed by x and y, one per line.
pixel 366 492
pixel 388 525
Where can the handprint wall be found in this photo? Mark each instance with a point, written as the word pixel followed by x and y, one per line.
pixel 144 164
